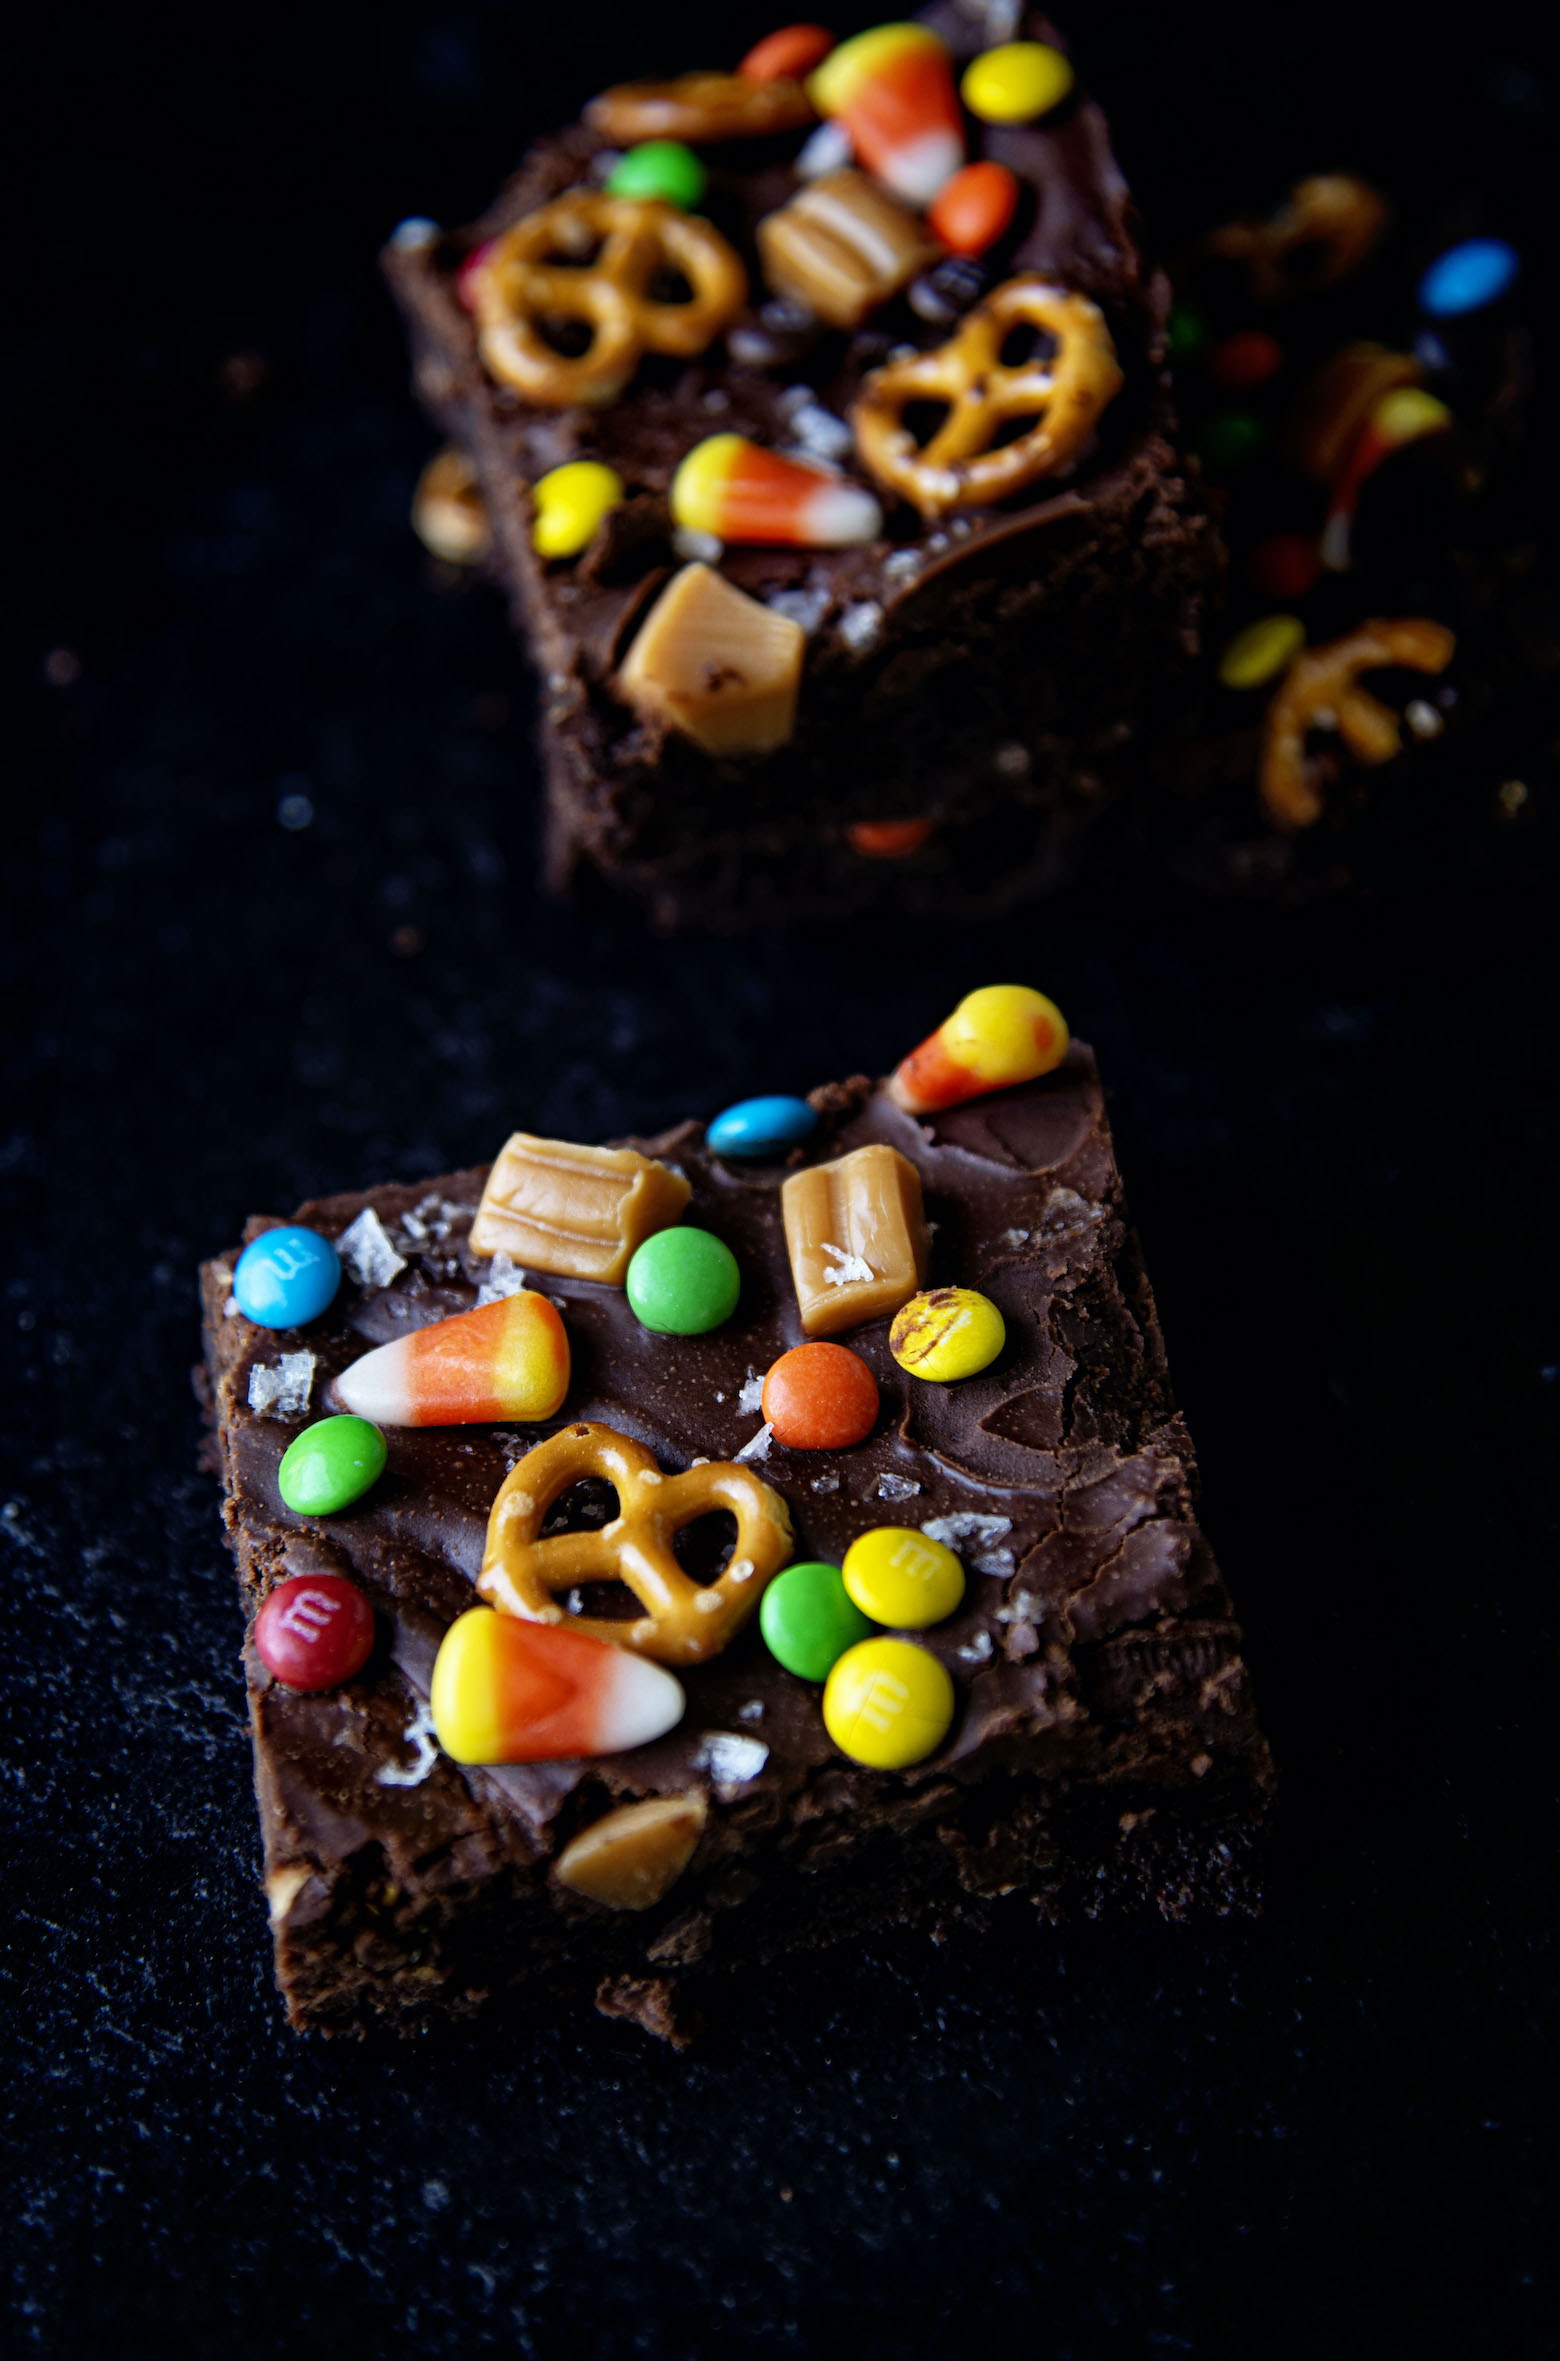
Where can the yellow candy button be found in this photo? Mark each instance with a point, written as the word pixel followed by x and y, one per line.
pixel 1261 651
pixel 901 1578
pixel 947 1333
pixel 1016 82
pixel 888 1703
pixel 570 503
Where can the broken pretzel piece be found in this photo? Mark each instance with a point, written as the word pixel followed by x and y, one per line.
pixel 842 246
pixel 1324 229
pixel 698 108
pixel 576 1213
pixel 634 1856
pixel 717 665
pixel 856 1235
pixel 1321 690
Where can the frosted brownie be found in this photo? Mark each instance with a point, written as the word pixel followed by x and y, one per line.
pixel 1103 1753
pixel 966 676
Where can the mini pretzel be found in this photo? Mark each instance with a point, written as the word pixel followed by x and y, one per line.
pixel 684 1621
pixel 699 107
pixel 519 286
pixel 1321 685
pixel 960 466
pixel 1333 217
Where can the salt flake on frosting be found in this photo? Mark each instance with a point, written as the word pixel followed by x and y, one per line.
pixel 502 1280
pixel 895 1487
pixel 283 1391
pixel 965 1528
pixel 367 1252
pixel 847 1269
pixel 757 1446
pixel 730 1759
pixel 752 1394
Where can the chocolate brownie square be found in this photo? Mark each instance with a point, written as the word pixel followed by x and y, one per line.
pixel 1102 1755
pixel 965 680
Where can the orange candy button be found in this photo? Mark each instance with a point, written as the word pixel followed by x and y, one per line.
pixel 820 1397
pixel 888 840
pixel 975 207
pixel 787 55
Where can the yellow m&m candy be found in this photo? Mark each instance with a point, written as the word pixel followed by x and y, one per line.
pixel 946 1333
pixel 899 1577
pixel 888 1703
pixel 1016 82
pixel 570 503
pixel 1261 652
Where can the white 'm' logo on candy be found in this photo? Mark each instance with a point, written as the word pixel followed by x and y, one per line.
pixel 287 1262
pixel 883 1701
pixel 308 1613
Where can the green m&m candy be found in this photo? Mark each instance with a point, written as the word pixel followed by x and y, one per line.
pixel 661 168
pixel 681 1282
pixel 809 1619
pixel 331 1464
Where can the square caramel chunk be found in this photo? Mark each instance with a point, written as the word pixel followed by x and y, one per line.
pixel 842 246
pixel 856 1236
pixel 717 665
pixel 578 1213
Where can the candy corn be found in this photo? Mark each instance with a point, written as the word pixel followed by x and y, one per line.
pixel 505 1360
pixel 1400 417
pixel 1002 1034
pixel 893 90
pixel 740 492
pixel 504 1691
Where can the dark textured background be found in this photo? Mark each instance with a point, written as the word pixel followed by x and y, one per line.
pixel 1324 2134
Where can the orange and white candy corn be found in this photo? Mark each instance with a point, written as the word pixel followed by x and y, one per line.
pixel 1004 1033
pixel 893 90
pixel 740 492
pixel 1400 417
pixel 510 1692
pixel 504 1360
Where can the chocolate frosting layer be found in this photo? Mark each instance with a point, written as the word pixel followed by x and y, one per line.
pixel 1062 1475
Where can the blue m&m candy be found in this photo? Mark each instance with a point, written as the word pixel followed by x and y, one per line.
pixel 761 1127
pixel 1467 277
pixel 286 1278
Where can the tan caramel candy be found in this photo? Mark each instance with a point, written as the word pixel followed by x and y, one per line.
pixel 716 665
pixel 636 1854
pixel 856 1236
pixel 843 246
pixel 576 1212
pixel 448 516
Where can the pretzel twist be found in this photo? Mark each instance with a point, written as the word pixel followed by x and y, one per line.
pixel 525 280
pixel 1332 218
pixel 698 107
pixel 962 465
pixel 685 1622
pixel 1324 682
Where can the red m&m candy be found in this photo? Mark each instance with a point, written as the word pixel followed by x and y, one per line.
pixel 973 209
pixel 820 1397
pixel 314 1631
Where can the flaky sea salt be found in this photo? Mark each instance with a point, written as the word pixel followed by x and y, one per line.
pixel 965 1529
pixel 502 1281
pixel 806 607
pixel 977 1650
pixel 828 150
pixel 860 625
pixel 1015 1238
pixel 753 1711
pixel 283 1391
pixel 757 1446
pixel 846 1269
pixel 419 1735
pixel 826 1483
pixel 701 549
pixel 367 1252
pixel 730 1759
pixel 894 1487
pixel 752 1394
pixel 902 565
pixel 819 433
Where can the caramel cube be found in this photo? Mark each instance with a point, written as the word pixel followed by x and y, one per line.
pixel 717 665
pixel 636 1854
pixel 842 246
pixel 576 1212
pixel 856 1236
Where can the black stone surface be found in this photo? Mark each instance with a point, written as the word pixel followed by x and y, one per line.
pixel 1326 2134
